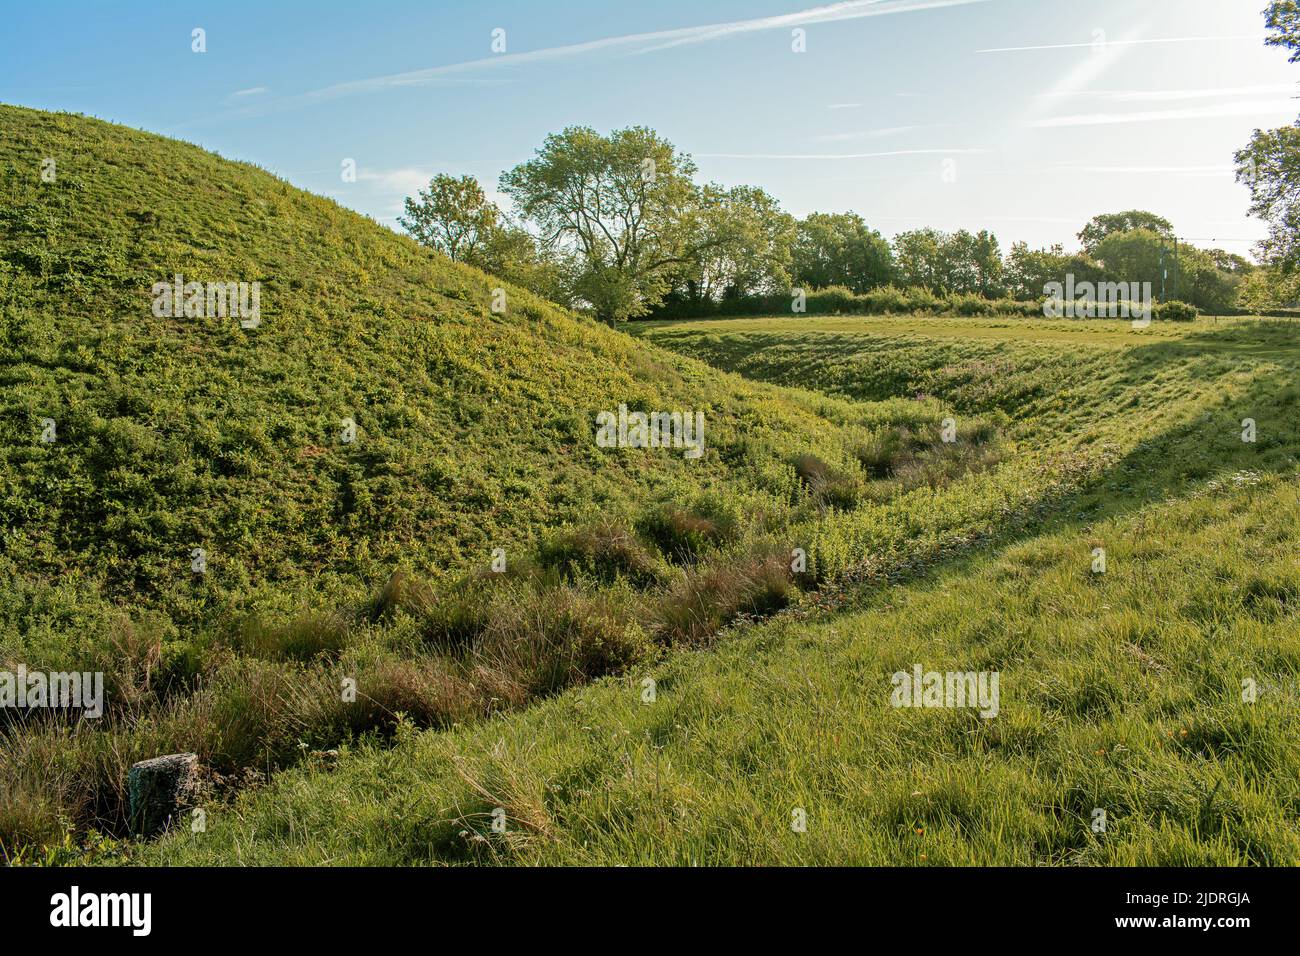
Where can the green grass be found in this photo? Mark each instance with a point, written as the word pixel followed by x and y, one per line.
pixel 325 558
pixel 1120 691
pixel 370 560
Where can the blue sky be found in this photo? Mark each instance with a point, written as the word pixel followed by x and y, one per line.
pixel 1026 117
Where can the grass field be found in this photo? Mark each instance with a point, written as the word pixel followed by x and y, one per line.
pixel 1120 692
pixel 525 691
pixel 367 560
pixel 1123 692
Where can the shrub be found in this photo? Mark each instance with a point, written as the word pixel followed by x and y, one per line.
pixel 1175 311
pixel 401 592
pixel 603 552
pixel 828 487
pixel 684 535
pixel 880 452
pixel 704 602
pixel 310 635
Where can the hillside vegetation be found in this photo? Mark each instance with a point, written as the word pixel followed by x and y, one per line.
pixel 1161 692
pixel 1120 692
pixel 131 442
pixel 888 492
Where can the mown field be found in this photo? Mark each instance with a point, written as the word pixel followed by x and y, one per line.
pixel 1123 692
pixel 827 537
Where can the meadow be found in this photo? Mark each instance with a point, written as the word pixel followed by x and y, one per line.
pixel 1161 693
pixel 675 654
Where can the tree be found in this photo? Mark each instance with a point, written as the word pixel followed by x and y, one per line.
pixel 511 253
pixel 1096 231
pixel 452 215
pixel 1028 271
pixel 623 205
pixel 1283 17
pixel 918 259
pixel 839 249
pixel 1205 284
pixel 1134 256
pixel 743 246
pixel 971 264
pixel 1270 166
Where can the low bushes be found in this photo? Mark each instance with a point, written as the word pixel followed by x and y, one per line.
pixel 886 300
pixel 1176 311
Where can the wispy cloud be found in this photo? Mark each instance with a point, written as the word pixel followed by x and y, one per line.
pixel 1255 37
pixel 843 106
pixel 874 133
pixel 251 91
pixel 850 10
pixel 1153 96
pixel 893 152
pixel 406 180
pixel 633 43
pixel 1196 171
pixel 1246 108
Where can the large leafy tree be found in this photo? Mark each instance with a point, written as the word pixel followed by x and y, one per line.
pixel 918 259
pixel 839 249
pixel 1136 255
pixel 742 246
pixel 1100 227
pixel 1270 164
pixel 972 263
pixel 1029 271
pixel 453 215
pixel 623 206
pixel 1283 18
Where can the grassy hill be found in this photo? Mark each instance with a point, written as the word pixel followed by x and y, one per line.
pixel 369 559
pixel 1124 691
pixel 826 499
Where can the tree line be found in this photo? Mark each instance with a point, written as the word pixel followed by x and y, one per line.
pixel 617 224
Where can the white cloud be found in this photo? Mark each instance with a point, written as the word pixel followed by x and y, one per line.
pixel 895 152
pixel 1155 96
pixel 850 10
pixel 634 43
pixel 1257 38
pixel 1219 170
pixel 1245 108
pixel 406 180
pixel 252 91
pixel 873 133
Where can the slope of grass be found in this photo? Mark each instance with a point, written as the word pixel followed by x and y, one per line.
pixel 1123 691
pixel 1120 692
pixel 368 560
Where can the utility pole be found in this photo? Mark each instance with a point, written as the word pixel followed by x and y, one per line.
pixel 1164 269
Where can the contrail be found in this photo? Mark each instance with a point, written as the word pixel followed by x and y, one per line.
pixel 1077 46
pixel 633 43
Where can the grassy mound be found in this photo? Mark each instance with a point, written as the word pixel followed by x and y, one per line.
pixel 231 519
pixel 1122 692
